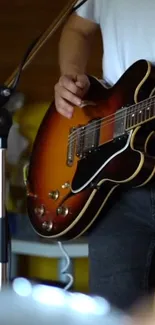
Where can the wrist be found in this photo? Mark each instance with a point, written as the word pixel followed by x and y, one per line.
pixel 71 70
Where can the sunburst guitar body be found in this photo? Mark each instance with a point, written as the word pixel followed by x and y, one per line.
pixel 76 164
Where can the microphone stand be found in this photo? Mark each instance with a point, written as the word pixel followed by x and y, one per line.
pixel 5 125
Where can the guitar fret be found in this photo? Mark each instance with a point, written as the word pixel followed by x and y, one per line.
pixel 131 116
pixel 140 112
pixel 133 119
pixel 128 119
pixel 145 114
pixel 127 126
pixel 148 112
pixel 150 108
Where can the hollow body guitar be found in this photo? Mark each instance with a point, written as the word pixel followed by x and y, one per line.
pixel 76 164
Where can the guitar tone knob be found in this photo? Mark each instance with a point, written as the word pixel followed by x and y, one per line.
pixel 54 195
pixel 62 211
pixel 47 225
pixel 39 211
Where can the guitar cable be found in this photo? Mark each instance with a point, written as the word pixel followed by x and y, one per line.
pixel 64 270
pixel 68 261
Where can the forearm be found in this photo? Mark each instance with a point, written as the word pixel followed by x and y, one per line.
pixel 74 49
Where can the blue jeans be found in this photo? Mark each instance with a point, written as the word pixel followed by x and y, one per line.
pixel 122 248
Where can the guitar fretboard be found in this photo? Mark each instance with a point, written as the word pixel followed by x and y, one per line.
pixel 139 113
pixel 132 116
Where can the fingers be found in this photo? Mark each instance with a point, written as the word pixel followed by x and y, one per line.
pixel 68 83
pixel 69 93
pixel 63 107
pixel 65 101
pixel 83 82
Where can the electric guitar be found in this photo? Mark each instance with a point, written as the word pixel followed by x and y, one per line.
pixel 76 164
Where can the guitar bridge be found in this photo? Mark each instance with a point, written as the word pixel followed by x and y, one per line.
pixel 87 138
pixel 71 146
pixel 82 140
pixel 92 135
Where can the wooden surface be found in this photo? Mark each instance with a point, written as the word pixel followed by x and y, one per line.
pixel 20 23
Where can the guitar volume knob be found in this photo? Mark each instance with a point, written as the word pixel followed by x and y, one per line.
pixel 47 225
pixel 62 211
pixel 39 211
pixel 54 195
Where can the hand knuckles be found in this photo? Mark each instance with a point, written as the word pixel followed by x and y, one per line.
pixel 63 81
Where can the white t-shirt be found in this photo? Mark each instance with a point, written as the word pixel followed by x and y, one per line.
pixel 128 31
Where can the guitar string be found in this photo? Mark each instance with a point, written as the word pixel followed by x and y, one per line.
pixel 105 119
pixel 72 139
pixel 99 125
pixel 110 118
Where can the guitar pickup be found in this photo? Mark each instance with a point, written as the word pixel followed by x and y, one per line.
pixel 80 136
pixel 88 137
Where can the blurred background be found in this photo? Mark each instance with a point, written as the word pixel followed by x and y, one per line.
pixel 20 23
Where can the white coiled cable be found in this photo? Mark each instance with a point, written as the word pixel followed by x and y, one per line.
pixel 66 267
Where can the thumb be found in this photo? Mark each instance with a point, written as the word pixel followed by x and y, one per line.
pixel 81 81
pixel 79 84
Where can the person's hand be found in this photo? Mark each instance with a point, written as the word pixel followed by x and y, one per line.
pixel 143 312
pixel 69 93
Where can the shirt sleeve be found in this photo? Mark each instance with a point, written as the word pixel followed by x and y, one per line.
pixel 89 10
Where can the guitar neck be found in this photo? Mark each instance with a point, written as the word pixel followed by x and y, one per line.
pixel 137 114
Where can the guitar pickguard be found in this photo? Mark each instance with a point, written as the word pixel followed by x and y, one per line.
pixel 89 168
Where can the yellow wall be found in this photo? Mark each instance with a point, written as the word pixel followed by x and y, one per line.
pixel 46 269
